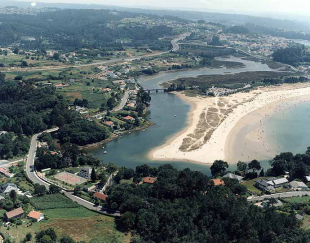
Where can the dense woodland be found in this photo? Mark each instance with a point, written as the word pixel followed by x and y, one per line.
pixel 72 29
pixel 26 109
pixel 292 55
pixel 184 206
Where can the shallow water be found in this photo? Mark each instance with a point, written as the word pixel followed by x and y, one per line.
pixel 289 129
pixel 132 149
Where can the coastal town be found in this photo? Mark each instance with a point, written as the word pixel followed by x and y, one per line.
pixel 120 124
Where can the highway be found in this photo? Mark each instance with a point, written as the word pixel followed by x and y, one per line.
pixel 32 175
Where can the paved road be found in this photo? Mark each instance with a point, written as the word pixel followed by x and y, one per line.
pixel 32 175
pixel 280 195
pixel 174 42
pixel 91 206
pixel 123 102
pixel 107 62
pixel 30 171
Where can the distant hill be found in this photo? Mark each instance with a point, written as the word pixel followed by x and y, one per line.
pixel 227 19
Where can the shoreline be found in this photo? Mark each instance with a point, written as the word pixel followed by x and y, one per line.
pixel 252 131
pixel 240 106
pixel 114 136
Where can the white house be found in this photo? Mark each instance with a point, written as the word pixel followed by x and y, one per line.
pixel 298 185
pixel 38 216
pixel 233 176
pixel 7 188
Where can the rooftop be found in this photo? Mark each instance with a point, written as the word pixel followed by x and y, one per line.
pixel 34 215
pixel 218 182
pixel 149 180
pixel 14 213
pixel 100 196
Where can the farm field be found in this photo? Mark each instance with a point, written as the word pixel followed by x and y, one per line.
pixel 68 219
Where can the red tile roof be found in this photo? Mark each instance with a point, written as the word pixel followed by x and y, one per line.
pixel 128 118
pixel 14 213
pixel 218 182
pixel 34 215
pixel 130 105
pixel 100 196
pixel 109 123
pixel 150 180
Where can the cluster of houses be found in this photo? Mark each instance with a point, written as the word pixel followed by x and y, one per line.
pixel 19 213
pixel 218 92
pixel 6 189
pixel 271 184
pixel 260 45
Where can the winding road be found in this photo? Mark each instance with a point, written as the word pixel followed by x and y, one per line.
pixel 34 178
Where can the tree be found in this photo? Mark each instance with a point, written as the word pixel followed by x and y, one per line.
pixel 242 166
pixel 53 189
pixel 39 190
pixel 111 168
pixel 28 237
pixel 262 173
pixel 218 168
pixel 254 165
pixel 110 103
pixel 56 56
pixel 93 175
pixel 77 190
pixel 13 195
pixel 143 170
pixel 24 64
pixel 18 78
pixel 16 50
pixel 46 236
pixel 2 77
pixel 127 221
pixel 66 239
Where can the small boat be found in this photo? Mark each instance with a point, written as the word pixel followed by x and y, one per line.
pixel 175 115
pixel 102 147
pixel 105 152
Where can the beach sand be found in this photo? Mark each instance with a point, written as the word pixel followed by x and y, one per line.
pixel 230 128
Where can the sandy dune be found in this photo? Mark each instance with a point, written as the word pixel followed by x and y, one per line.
pixel 214 124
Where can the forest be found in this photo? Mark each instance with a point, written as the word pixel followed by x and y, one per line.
pixel 26 109
pixel 185 206
pixel 92 29
pixel 292 55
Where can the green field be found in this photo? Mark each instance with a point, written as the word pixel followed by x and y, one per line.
pixel 52 201
pixel 250 186
pixel 300 200
pixel 77 222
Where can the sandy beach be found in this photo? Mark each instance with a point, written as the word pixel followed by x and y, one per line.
pixel 216 124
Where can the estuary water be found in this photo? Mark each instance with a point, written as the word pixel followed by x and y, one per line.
pixel 169 114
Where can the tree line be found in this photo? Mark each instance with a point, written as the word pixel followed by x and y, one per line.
pixel 185 206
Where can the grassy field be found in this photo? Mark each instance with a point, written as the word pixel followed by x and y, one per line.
pixel 127 181
pixel 250 186
pixel 305 199
pixel 77 222
pixel 52 201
